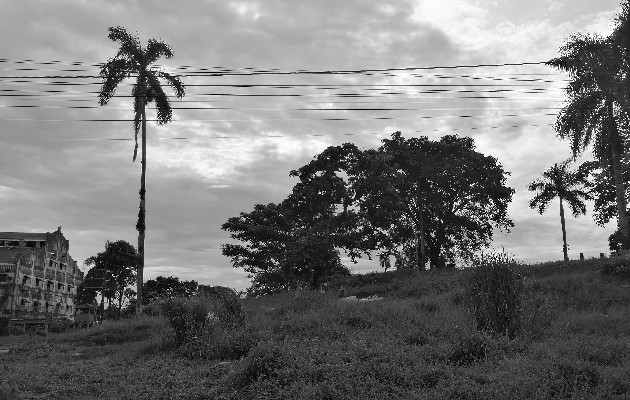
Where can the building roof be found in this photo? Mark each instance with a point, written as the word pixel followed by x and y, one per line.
pixel 23 235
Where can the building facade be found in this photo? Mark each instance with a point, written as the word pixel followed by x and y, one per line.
pixel 38 278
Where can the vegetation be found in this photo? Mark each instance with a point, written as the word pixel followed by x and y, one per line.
pixel 421 341
pixel 596 115
pixel 570 186
pixel 134 61
pixel 113 270
pixel 162 288
pixel 416 199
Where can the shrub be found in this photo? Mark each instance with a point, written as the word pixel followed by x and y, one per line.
pixel 187 317
pixel 225 304
pixel 617 267
pixel 263 362
pixel 59 326
pixel 493 293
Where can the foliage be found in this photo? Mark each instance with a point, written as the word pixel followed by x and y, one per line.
pixel 415 199
pixel 436 200
pixel 111 332
pixel 161 287
pixel 113 269
pixel 597 111
pixel 187 317
pixel 493 294
pixel 227 308
pixel 278 253
pixel 617 267
pixel 567 185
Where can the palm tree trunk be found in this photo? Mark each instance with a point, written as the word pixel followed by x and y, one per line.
pixel 616 147
pixel 564 232
pixel 142 213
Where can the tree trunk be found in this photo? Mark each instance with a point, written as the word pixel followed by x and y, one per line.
pixel 142 213
pixel 564 232
pixel 422 260
pixel 616 147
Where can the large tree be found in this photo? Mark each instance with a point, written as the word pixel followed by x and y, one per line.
pixel 565 184
pixel 598 104
pixel 435 200
pixel 115 269
pixel 134 61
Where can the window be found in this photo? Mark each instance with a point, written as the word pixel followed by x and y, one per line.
pixel 4 277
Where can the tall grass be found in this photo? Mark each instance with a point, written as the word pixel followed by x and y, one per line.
pixel 421 341
pixel 493 292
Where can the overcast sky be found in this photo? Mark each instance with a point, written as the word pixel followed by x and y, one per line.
pixel 242 141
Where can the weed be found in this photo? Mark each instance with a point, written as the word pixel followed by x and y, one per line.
pixel 493 294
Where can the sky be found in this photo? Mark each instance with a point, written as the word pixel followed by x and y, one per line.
pixel 246 122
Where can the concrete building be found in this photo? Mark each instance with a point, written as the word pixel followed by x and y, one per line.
pixel 38 278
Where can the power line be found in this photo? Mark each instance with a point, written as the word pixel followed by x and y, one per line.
pixel 278 119
pixel 249 137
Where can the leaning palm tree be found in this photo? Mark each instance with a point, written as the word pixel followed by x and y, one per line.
pixel 133 61
pixel 595 109
pixel 570 186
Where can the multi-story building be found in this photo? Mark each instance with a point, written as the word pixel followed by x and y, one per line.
pixel 38 278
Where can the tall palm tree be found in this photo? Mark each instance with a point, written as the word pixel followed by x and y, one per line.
pixel 133 61
pixel 595 109
pixel 570 186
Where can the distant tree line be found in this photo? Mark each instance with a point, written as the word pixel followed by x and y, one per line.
pixel 422 202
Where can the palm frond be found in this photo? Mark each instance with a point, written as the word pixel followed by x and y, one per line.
pixel 130 47
pixel 174 82
pixel 157 49
pixel 113 72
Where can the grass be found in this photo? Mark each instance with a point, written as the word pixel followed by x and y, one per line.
pixel 419 342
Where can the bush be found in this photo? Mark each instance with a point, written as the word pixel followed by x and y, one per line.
pixel 617 268
pixel 187 317
pixel 263 362
pixel 225 305
pixel 493 294
pixel 59 326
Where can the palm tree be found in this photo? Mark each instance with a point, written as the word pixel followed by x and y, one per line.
pixel 133 61
pixel 559 181
pixel 595 109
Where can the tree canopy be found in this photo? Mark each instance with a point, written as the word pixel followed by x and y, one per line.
pixel 422 200
pixel 162 288
pixel 565 184
pixel 112 270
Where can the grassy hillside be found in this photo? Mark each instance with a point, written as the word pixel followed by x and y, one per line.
pixel 419 342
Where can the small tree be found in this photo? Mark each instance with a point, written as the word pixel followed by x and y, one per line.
pixel 116 265
pixel 570 186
